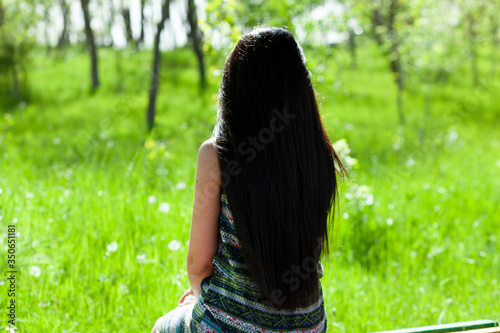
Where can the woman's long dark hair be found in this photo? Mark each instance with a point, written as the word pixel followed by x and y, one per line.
pixel 278 167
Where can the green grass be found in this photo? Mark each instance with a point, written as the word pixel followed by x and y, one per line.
pixel 78 172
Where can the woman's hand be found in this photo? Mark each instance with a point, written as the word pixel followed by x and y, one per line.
pixel 187 298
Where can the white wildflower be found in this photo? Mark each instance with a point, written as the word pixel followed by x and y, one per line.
pixel 452 136
pixel 174 245
pixel 164 207
pixel 342 149
pixel 112 247
pixel 35 271
pixel 141 258
pixel 123 289
pixel 350 162
pixel 361 193
pixel 152 200
pixel 180 185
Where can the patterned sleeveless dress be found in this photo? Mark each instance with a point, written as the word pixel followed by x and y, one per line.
pixel 229 300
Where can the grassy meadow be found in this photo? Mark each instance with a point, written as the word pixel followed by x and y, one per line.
pixel 102 209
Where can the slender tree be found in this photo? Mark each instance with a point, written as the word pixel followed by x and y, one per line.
pixel 15 48
pixel 155 77
pixel 395 58
pixel 91 44
pixel 110 22
pixel 472 36
pixel 495 40
pixel 384 18
pixel 197 39
pixel 475 15
pixel 64 37
pixel 388 19
pixel 377 23
pixel 140 40
pixel 128 26
pixel 1 13
pixel 46 12
pixel 384 30
pixel 353 19
pixel 352 46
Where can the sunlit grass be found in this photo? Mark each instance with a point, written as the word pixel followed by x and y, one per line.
pixel 103 210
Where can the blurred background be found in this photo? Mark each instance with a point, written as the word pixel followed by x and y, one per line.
pixel 103 105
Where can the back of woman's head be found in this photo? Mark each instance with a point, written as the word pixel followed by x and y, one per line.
pixel 277 165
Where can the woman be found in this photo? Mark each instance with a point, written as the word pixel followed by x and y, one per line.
pixel 265 189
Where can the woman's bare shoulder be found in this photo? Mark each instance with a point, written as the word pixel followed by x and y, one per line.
pixel 208 159
pixel 208 151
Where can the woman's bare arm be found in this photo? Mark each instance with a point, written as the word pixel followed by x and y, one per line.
pixel 203 239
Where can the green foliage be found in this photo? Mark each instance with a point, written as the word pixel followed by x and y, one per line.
pixel 235 17
pixel 15 48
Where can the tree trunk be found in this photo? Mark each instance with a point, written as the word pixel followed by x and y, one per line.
pixel 394 55
pixel 377 21
pixel 395 58
pixel 119 71
pixel 401 114
pixel 397 71
pixel 197 39
pixel 140 41
pixel 495 43
pixel 91 44
pixel 128 26
pixel 352 47
pixel 46 28
pixel 1 13
pixel 110 22
pixel 64 38
pixel 15 83
pixel 155 78
pixel 427 111
pixel 472 48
